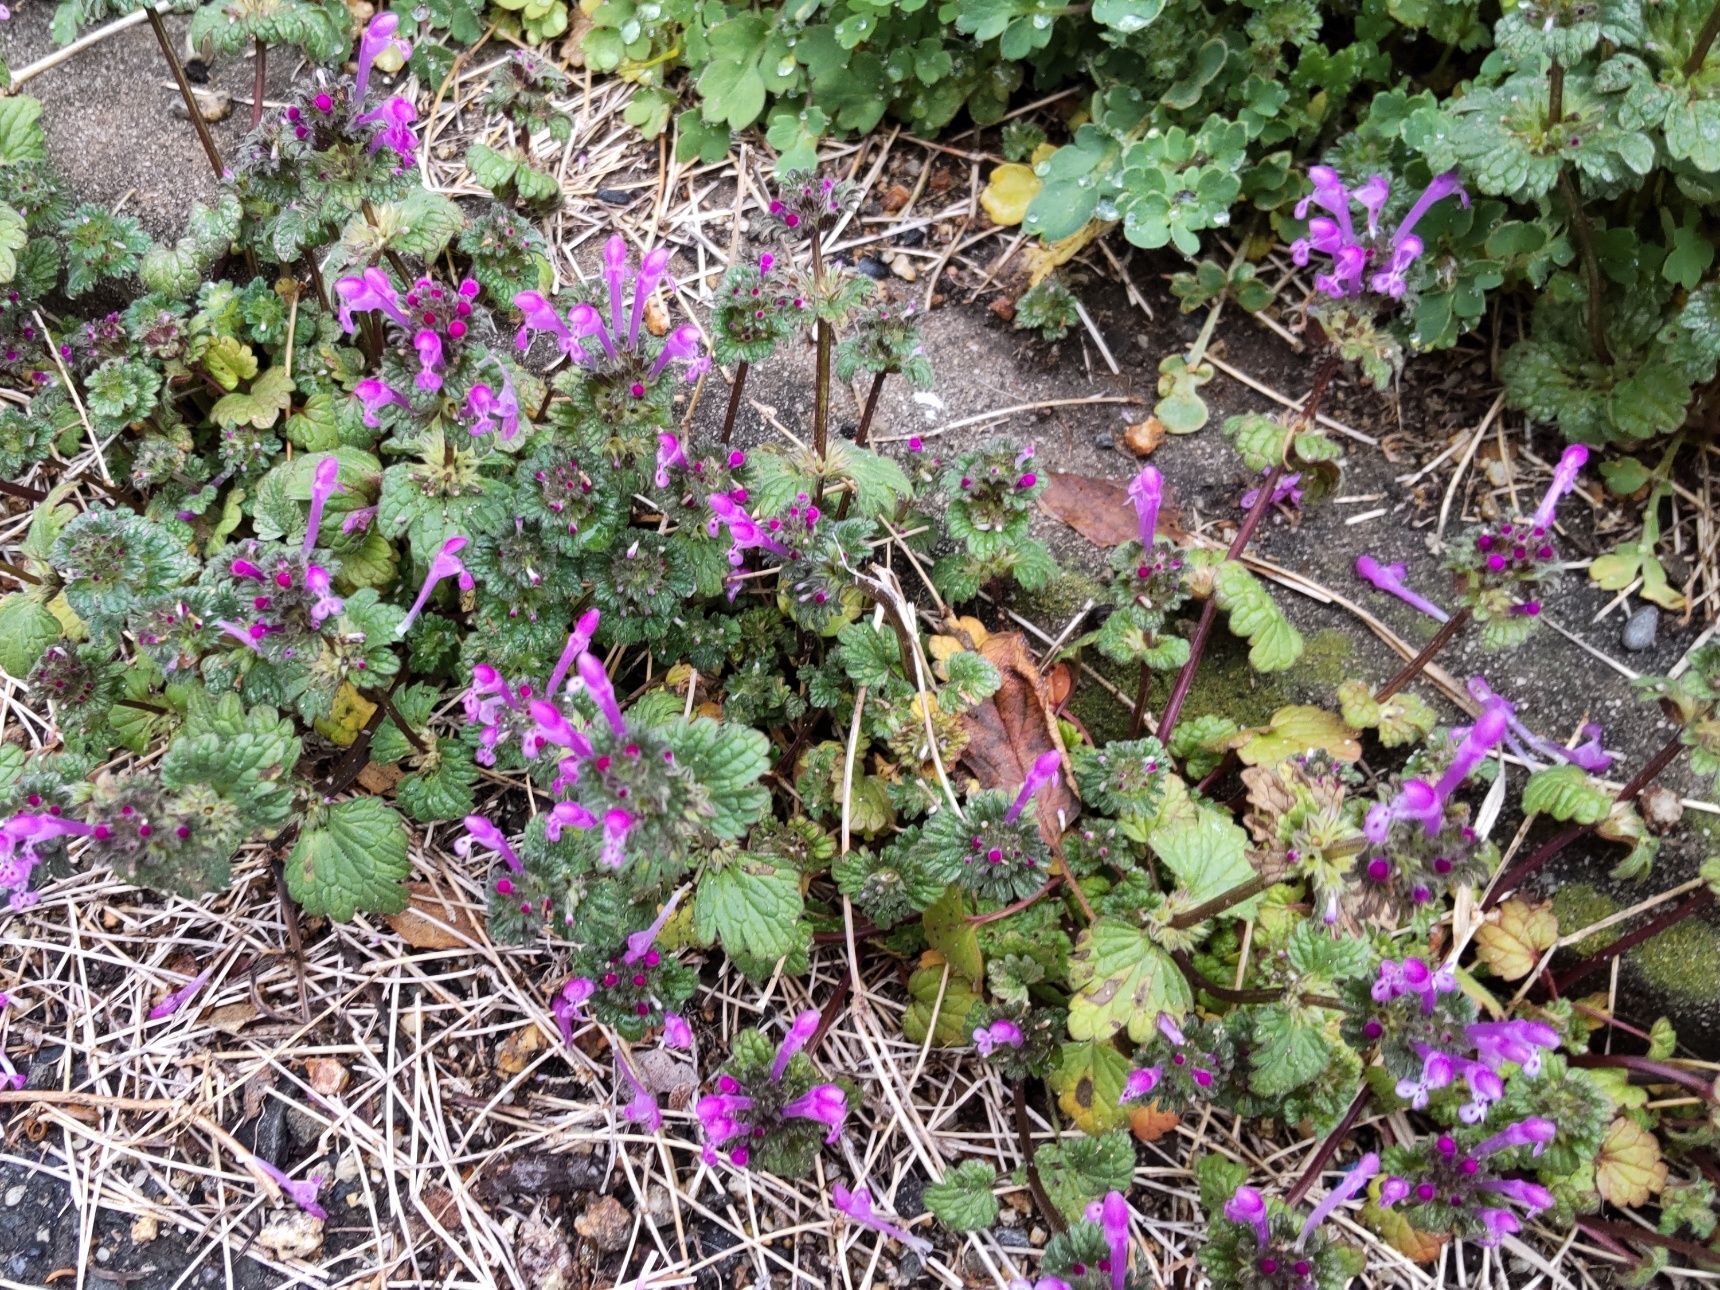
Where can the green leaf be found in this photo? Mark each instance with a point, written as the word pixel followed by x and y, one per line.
pixel 1566 793
pixel 26 629
pixel 1253 615
pixel 1088 1081
pixel 12 240
pixel 1289 1050
pixel 950 934
pixel 1122 981
pixel 1077 1171
pixel 350 857
pixel 754 908
pixel 1208 853
pixel 270 395
pixel 940 1004
pixel 727 759
pixel 963 1201
pixel 21 135
pixel 428 221
pixel 1322 960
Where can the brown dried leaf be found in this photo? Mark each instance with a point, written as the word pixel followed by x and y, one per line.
pixel 1098 509
pixel 326 1076
pixel 379 779
pixel 514 1053
pixel 1011 729
pixel 430 923
pixel 233 1017
pixel 1151 1122
pixel 1144 437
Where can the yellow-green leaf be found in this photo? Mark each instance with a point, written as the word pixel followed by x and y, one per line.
pixel 1006 195
pixel 1294 730
pixel 1512 942
pixel 1088 1080
pixel 950 934
pixel 1629 1169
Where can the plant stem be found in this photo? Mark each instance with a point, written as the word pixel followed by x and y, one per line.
pixel 1658 1072
pixel 258 82
pixel 1203 629
pixel 1138 714
pixel 1206 985
pixel 1630 1232
pixel 394 259
pixel 191 108
pixel 976 920
pixel 1693 904
pixel 821 391
pixel 1024 1139
pixel 317 279
pixel 23 492
pixel 400 725
pixel 1221 902
pixel 7 567
pixel 1704 42
pixel 865 425
pixel 1591 268
pixel 1412 669
pixel 741 370
pixel 1514 878
pixel 1328 1147
pixel 1555 95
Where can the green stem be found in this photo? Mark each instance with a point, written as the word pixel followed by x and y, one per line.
pixel 1591 269
pixel 1415 666
pixel 191 108
pixel 1225 994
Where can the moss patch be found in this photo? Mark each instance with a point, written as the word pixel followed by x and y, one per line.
pixel 1683 962
pixel 1580 905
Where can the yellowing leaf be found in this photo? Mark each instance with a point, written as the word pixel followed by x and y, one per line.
pixel 1297 729
pixel 1398 1232
pixel 1043 260
pixel 1011 187
pixel 350 713
pixel 1513 940
pixel 1629 1169
pixel 950 934
pixel 1088 1080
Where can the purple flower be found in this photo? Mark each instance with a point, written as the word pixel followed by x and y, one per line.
pixel 825 1104
pixel 578 641
pixel 378 37
pixel 1392 1190
pixel 1535 1133
pixel 1521 1042
pixel 639 943
pixel 683 345
pixel 241 634
pixel 1571 463
pixel 430 358
pixel 325 482
pixel 567 1003
pixel 1285 490
pixel 326 605
pixel 1248 1207
pixel 669 453
pixel 744 531
pixel 676 1032
pixel 302 1194
pixel 482 831
pixel 394 118
pixel 376 394
pixel 800 1030
pixel 1483 737
pixel 1147 492
pixel 1139 1083
pixel 367 291
pixel 445 565
pixel 177 1000
pixel 597 685
pixel 1389 578
pixel 643 1108
pixel 19 838
pixel 1043 773
pixel 1334 234
pixel 1112 1216
pixel 540 315
pixel 1002 1031
pixel 489 408
pixel 567 815
pixel 857 1205
pixel 616 824
pixel 1353 1182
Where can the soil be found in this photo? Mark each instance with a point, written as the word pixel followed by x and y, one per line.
pixel 115 132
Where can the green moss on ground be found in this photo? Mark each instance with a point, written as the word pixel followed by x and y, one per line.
pixel 1683 962
pixel 1579 905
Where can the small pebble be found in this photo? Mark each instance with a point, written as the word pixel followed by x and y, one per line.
pixel 14 1195
pixel 872 267
pixel 1104 442
pixel 614 196
pixel 1640 628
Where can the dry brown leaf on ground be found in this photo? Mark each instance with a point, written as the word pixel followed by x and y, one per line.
pixel 515 1052
pixel 1098 509
pixel 430 923
pixel 1014 727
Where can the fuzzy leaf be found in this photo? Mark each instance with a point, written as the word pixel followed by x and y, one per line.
pixel 728 760
pixel 261 406
pixel 350 857
pixel 1566 793
pixel 1513 941
pixel 950 934
pixel 953 1000
pixel 1289 1050
pixel 1629 1169
pixel 1296 730
pixel 1208 853
pixel 1122 981
pixel 963 1201
pixel 754 908
pixel 1078 1171
pixel 1273 643
pixel 26 629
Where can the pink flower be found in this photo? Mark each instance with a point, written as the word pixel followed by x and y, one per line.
pixel 177 1000
pixel 378 37
pixel 445 565
pixel 857 1205
pixel 1147 492
pixel 1042 774
pixel 325 482
pixel 303 1194
pixel 482 831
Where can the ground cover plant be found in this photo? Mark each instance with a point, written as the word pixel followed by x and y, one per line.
pixel 390 531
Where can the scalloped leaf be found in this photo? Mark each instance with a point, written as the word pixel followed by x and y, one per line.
pixel 351 857
pixel 1513 940
pixel 1122 981
pixel 1629 1169
pixel 963 1201
pixel 1274 644
pixel 1567 794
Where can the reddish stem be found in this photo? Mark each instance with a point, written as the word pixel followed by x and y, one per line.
pixel 1656 1072
pixel 1694 904
pixel 1328 1148
pixel 1416 665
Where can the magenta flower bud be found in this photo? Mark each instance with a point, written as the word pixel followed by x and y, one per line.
pixel 1392 1190
pixel 651 271
pixel 1389 578
pixel 1043 772
pixel 596 682
pixel 245 569
pixel 676 1032
pixel 615 274
pixel 800 1031
pixel 324 103
pixel 824 1104
pixel 1248 1207
pixel 1139 1083
pixel 1147 492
